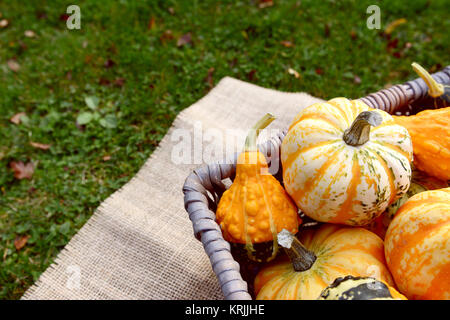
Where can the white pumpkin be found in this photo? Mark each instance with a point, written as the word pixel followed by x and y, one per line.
pixel 344 162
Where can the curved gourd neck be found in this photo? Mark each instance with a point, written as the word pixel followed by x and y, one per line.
pixel 434 89
pixel 252 137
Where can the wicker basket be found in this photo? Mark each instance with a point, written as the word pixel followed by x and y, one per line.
pixel 204 187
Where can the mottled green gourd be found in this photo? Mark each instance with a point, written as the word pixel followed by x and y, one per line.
pixel 359 288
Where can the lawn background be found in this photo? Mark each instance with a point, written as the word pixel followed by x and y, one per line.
pixel 134 65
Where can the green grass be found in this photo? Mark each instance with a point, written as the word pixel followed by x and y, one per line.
pixel 59 68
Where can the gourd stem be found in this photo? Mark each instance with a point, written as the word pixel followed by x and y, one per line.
pixel 359 131
pixel 250 142
pixel 302 259
pixel 434 89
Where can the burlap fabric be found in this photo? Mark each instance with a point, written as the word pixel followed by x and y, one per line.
pixel 139 244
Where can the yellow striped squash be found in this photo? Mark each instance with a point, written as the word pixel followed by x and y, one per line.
pixel 417 246
pixel 336 251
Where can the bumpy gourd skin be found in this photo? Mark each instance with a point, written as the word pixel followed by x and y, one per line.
pixel 430 132
pixel 255 207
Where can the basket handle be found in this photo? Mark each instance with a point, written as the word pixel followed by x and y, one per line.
pixel 398 96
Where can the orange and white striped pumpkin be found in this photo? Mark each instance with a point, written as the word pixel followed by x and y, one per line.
pixel 344 162
pixel 338 251
pixel 417 246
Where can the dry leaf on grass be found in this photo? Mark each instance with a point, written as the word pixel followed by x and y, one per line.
pixel 29 34
pixel 20 242
pixel 41 146
pixel 3 23
pixel 13 65
pixel 209 78
pixel 22 170
pixel 184 39
pixel 287 44
pixel 393 25
pixel 16 118
pixel 151 23
pixel 265 3
pixel 294 73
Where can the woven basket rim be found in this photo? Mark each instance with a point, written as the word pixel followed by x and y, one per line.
pixel 203 188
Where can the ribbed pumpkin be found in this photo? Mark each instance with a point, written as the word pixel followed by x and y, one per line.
pixel 360 288
pixel 344 162
pixel 317 258
pixel 256 207
pixel 417 246
pixel 420 182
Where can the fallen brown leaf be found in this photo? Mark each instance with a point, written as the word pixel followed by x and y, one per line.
pixel 209 77
pixel 21 170
pixel 41 15
pixel 151 23
pixel 167 35
pixel 294 73
pixel 104 82
pixel 16 118
pixel 393 25
pixel 20 242
pixel 327 30
pixel 287 44
pixel 64 17
pixel 184 39
pixel 119 82
pixel 4 23
pixel 265 3
pixel 392 44
pixel 41 146
pixel 109 64
pixel 29 33
pixel 13 65
pixel 251 75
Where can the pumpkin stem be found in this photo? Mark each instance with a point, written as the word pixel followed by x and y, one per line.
pixel 359 131
pixel 250 142
pixel 434 89
pixel 302 259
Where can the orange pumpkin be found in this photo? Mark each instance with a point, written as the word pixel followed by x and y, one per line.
pixel 417 246
pixel 317 258
pixel 430 134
